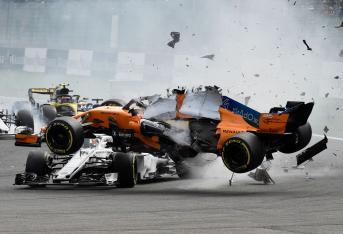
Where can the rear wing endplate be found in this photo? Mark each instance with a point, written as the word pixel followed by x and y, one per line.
pixel 312 151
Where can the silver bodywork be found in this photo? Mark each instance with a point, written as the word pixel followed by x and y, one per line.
pixel 161 109
pixel 202 104
pixel 198 103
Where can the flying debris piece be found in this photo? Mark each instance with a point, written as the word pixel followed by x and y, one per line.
pixel 246 100
pixel 303 94
pixel 209 56
pixel 257 75
pixel 327 94
pixel 176 39
pixel 294 3
pixel 339 26
pixel 341 53
pixel 336 77
pixel 308 47
pixel 337 108
pixel 261 174
pixel 326 129
pixel 311 151
pixel 334 154
pixel 230 180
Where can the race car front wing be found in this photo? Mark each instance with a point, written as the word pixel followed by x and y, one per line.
pixel 32 179
pixel 27 140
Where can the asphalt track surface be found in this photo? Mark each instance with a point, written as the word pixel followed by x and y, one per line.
pixel 295 204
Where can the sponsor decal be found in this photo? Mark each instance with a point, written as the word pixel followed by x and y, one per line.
pixel 248 114
pixel 230 131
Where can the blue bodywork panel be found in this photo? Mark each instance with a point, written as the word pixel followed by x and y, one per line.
pixel 249 115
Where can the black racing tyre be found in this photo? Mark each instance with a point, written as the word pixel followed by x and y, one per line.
pixel 37 162
pixel 64 135
pixel 243 152
pixel 113 102
pixel 302 137
pixel 126 166
pixel 24 118
pixel 49 113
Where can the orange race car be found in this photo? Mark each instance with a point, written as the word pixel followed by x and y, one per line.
pixel 186 123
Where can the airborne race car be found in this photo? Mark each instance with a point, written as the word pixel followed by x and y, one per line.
pixel 188 123
pixel 94 164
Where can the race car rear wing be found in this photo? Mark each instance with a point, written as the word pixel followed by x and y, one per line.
pixel 47 91
pixel 279 119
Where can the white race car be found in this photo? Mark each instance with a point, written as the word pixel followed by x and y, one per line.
pixel 23 120
pixel 94 164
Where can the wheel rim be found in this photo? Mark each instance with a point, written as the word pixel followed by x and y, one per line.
pixel 236 155
pixel 58 137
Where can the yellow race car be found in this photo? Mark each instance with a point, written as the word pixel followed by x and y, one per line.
pixel 60 103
